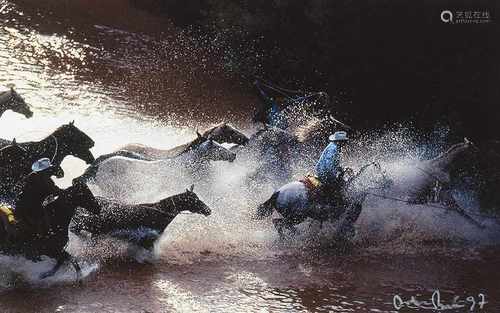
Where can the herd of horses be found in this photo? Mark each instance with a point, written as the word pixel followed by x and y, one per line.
pixel 78 210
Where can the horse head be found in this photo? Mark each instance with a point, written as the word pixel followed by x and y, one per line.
pixel 82 196
pixel 224 132
pixel 188 200
pixel 213 151
pixel 445 160
pixel 75 141
pixel 17 104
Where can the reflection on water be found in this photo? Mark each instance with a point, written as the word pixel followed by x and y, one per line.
pixel 334 284
pixel 126 76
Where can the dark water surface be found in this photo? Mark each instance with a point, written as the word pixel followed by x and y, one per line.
pixel 127 76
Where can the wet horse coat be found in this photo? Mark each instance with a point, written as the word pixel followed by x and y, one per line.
pixel 139 223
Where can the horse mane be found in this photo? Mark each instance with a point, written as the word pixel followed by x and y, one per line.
pixel 211 128
pixel 181 149
pixel 5 96
pixel 59 133
pixel 165 203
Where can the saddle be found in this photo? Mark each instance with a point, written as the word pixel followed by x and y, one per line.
pixel 7 212
pixel 313 186
pixel 319 192
pixel 8 223
pixel 311 182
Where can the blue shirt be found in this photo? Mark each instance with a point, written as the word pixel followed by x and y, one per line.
pixel 328 164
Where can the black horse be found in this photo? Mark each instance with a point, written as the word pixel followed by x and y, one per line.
pixel 53 242
pixel 11 100
pixel 141 224
pixel 64 141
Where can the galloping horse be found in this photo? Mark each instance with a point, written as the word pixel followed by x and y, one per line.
pixel 65 140
pixel 11 100
pixel 221 133
pixel 139 223
pixel 120 176
pixel 52 243
pixel 430 180
pixel 295 203
pixel 275 149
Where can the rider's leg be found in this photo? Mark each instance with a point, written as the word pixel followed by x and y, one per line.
pixel 278 224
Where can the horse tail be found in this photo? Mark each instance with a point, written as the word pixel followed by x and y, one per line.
pixel 266 208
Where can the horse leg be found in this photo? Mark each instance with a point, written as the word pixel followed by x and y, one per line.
pixel 63 258
pixel 346 228
pixel 278 224
pixel 448 200
pixel 54 270
pixel 291 229
pixel 77 268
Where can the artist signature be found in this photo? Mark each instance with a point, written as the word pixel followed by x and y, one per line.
pixel 436 303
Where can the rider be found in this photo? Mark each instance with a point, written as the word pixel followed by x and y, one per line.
pixel 272 111
pixel 38 185
pixel 328 168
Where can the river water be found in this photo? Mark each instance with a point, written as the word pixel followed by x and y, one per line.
pixel 125 76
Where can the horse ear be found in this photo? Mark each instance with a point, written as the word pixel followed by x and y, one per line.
pixel 12 88
pixel 14 142
pixel 191 188
pixel 198 134
pixel 72 123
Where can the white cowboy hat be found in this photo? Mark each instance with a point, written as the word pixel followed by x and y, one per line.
pixel 338 136
pixel 41 165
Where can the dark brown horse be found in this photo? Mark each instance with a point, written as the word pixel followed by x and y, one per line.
pixel 64 141
pixel 11 100
pixel 139 223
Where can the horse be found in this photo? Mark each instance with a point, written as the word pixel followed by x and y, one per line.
pixel 11 100
pixel 295 202
pixel 430 180
pixel 221 133
pixel 140 223
pixel 53 242
pixel 118 175
pixel 65 140
pixel 420 181
pixel 275 149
